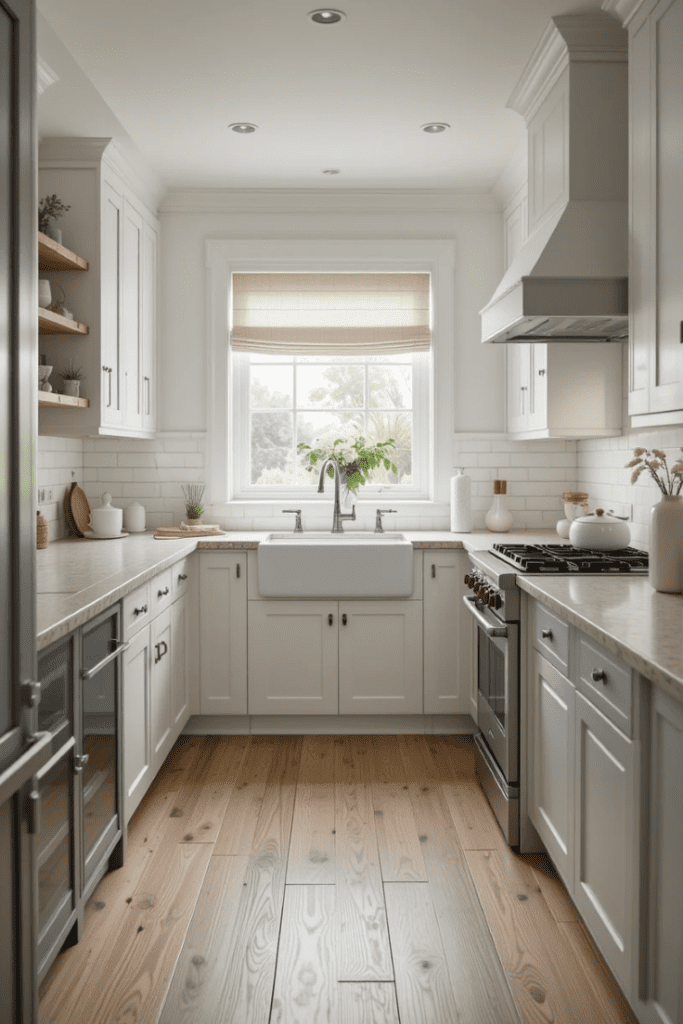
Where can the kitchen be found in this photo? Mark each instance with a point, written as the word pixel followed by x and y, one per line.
pixel 260 218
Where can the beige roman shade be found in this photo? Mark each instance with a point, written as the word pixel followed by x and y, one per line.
pixel 330 314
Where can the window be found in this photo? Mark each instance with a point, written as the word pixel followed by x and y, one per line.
pixel 229 372
pixel 323 356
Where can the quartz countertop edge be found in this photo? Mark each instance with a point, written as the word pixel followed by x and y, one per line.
pixel 626 616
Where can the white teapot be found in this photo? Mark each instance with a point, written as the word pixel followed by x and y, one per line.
pixel 601 531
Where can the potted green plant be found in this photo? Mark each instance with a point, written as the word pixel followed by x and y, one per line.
pixel 193 501
pixel 72 376
pixel 356 459
pixel 51 208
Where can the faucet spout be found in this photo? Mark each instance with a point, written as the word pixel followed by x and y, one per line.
pixel 338 516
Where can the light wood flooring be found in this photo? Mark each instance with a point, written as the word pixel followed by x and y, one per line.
pixel 327 880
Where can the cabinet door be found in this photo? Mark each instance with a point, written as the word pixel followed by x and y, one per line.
pixel 293 658
pixel 447 640
pixel 666 115
pixel 180 686
pixel 223 633
pixel 380 657
pixel 518 357
pixel 137 727
pixel 538 387
pixel 605 836
pixel 111 339
pixel 131 277
pixel 552 769
pixel 148 327
pixel 662 872
pixel 162 661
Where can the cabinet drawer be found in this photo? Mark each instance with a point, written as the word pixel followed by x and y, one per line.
pixel 552 639
pixel 137 610
pixel 182 573
pixel 607 682
pixel 162 595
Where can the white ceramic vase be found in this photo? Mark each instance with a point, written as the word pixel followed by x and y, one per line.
pixel 666 545
pixel 499 518
pixel 72 388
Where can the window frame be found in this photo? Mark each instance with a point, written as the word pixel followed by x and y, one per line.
pixel 226 256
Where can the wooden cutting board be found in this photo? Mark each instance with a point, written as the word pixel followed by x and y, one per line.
pixel 78 510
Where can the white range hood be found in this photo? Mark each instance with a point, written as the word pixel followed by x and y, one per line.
pixel 569 282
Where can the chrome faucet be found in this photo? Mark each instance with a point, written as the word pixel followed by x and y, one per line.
pixel 338 516
pixel 378 518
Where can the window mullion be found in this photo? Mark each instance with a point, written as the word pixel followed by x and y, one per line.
pixel 295 417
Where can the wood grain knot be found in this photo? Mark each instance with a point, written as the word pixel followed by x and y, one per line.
pixel 425 965
pixel 522 897
pixel 423 839
pixel 99 905
pixel 176 813
pixel 537 993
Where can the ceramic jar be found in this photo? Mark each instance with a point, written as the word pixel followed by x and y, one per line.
pixel 134 518
pixel 666 545
pixel 106 521
pixel 498 519
pixel 600 531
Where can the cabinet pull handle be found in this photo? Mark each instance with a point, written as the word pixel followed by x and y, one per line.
pixel 541 373
pixel 433 572
pixel 330 619
pixel 80 761
pixel 162 593
pixel 598 675
pixel 546 634
pixel 33 812
pixel 182 576
pixel 344 619
pixel 238 571
pixel 157 648
pixel 141 610
pixel 147 394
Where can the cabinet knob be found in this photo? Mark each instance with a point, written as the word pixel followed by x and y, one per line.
pixel 80 761
pixel 181 577
pixel 162 593
pixel 598 675
pixel 140 611
pixel 546 634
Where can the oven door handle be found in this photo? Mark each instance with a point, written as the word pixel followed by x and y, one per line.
pixel 490 630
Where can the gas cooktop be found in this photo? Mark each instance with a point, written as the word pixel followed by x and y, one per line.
pixel 563 559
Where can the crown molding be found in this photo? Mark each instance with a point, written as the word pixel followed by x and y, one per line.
pixel 46 76
pixel 625 10
pixel 315 201
pixel 567 38
pixel 65 151
pixel 137 175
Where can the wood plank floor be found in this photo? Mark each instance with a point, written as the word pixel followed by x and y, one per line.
pixel 327 880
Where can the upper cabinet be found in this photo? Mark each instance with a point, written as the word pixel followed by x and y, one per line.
pixel 112 224
pixel 656 213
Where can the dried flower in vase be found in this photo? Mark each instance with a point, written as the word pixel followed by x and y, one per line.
pixel 669 481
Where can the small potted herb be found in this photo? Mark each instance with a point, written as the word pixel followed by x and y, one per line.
pixel 51 208
pixel 72 376
pixel 193 501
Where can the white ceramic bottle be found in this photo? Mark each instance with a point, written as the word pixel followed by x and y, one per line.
pixel 461 503
pixel 666 545
pixel 499 518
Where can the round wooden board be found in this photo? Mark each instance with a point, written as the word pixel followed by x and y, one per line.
pixel 79 509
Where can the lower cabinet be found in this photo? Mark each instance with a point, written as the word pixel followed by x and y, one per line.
pixel 448 669
pixel 661 976
pixel 137 729
pixel 605 841
pixel 293 658
pixel 552 771
pixel 223 632
pixel 163 653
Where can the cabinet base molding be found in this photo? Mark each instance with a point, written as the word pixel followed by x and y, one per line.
pixel 328 725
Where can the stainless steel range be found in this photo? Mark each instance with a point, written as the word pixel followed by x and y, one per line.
pixel 495 605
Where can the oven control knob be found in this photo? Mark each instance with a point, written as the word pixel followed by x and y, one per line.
pixel 495 600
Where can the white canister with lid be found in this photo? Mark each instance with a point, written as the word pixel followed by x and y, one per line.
pixel 134 518
pixel 106 521
pixel 600 531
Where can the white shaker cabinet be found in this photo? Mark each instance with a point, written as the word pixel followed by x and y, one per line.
pixel 162 675
pixel 447 637
pixel 180 682
pixel 223 632
pixel 661 986
pixel 293 657
pixel 380 657
pixel 114 226
pixel 656 213
pixel 137 731
pixel 551 799
pixel 605 836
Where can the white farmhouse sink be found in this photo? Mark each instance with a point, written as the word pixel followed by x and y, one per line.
pixel 338 565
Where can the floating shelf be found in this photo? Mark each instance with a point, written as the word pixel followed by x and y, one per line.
pixel 55 323
pixel 53 256
pixel 49 400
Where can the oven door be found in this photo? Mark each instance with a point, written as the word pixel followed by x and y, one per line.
pixel 498 687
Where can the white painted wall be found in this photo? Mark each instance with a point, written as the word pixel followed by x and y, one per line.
pixel 473 222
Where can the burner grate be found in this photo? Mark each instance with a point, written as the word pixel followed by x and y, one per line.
pixel 566 560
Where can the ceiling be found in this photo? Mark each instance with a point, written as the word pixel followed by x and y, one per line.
pixel 350 96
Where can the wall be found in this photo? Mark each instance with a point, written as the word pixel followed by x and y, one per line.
pixel 59 461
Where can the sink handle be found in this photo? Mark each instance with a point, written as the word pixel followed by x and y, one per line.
pixel 378 518
pixel 298 528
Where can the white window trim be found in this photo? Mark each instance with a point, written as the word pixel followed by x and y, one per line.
pixel 226 256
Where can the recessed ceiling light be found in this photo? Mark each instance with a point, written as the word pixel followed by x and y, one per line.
pixel 243 127
pixel 435 126
pixel 326 16
pixel 330 170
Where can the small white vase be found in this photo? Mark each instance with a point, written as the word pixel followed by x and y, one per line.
pixel 499 518
pixel 44 293
pixel 666 545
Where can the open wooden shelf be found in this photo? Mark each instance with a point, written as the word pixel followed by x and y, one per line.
pixel 49 400
pixel 55 323
pixel 53 256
